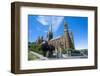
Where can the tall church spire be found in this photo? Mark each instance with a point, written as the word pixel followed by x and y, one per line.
pixel 50 33
pixel 50 28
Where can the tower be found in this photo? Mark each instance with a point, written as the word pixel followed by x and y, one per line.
pixel 66 36
pixel 50 33
pixel 71 40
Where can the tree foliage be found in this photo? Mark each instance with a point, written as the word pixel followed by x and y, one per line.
pixel 34 47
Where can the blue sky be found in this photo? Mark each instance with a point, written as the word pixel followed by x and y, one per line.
pixel 39 25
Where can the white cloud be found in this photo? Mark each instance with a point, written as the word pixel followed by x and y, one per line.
pixel 48 20
pixel 42 20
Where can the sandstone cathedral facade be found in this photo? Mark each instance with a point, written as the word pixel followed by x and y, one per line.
pixel 65 41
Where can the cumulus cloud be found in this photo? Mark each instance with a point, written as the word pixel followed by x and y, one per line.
pixel 48 20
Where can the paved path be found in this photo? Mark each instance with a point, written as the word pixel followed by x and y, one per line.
pixel 39 55
pixel 64 56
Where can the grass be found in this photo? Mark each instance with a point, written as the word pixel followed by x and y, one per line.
pixel 31 56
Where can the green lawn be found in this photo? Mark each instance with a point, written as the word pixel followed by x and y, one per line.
pixel 32 57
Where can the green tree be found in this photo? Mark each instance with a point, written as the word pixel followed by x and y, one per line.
pixel 35 47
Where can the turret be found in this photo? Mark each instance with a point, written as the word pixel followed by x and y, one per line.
pixel 66 36
pixel 72 40
pixel 39 40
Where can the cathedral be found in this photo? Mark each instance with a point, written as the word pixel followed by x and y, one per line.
pixel 65 41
